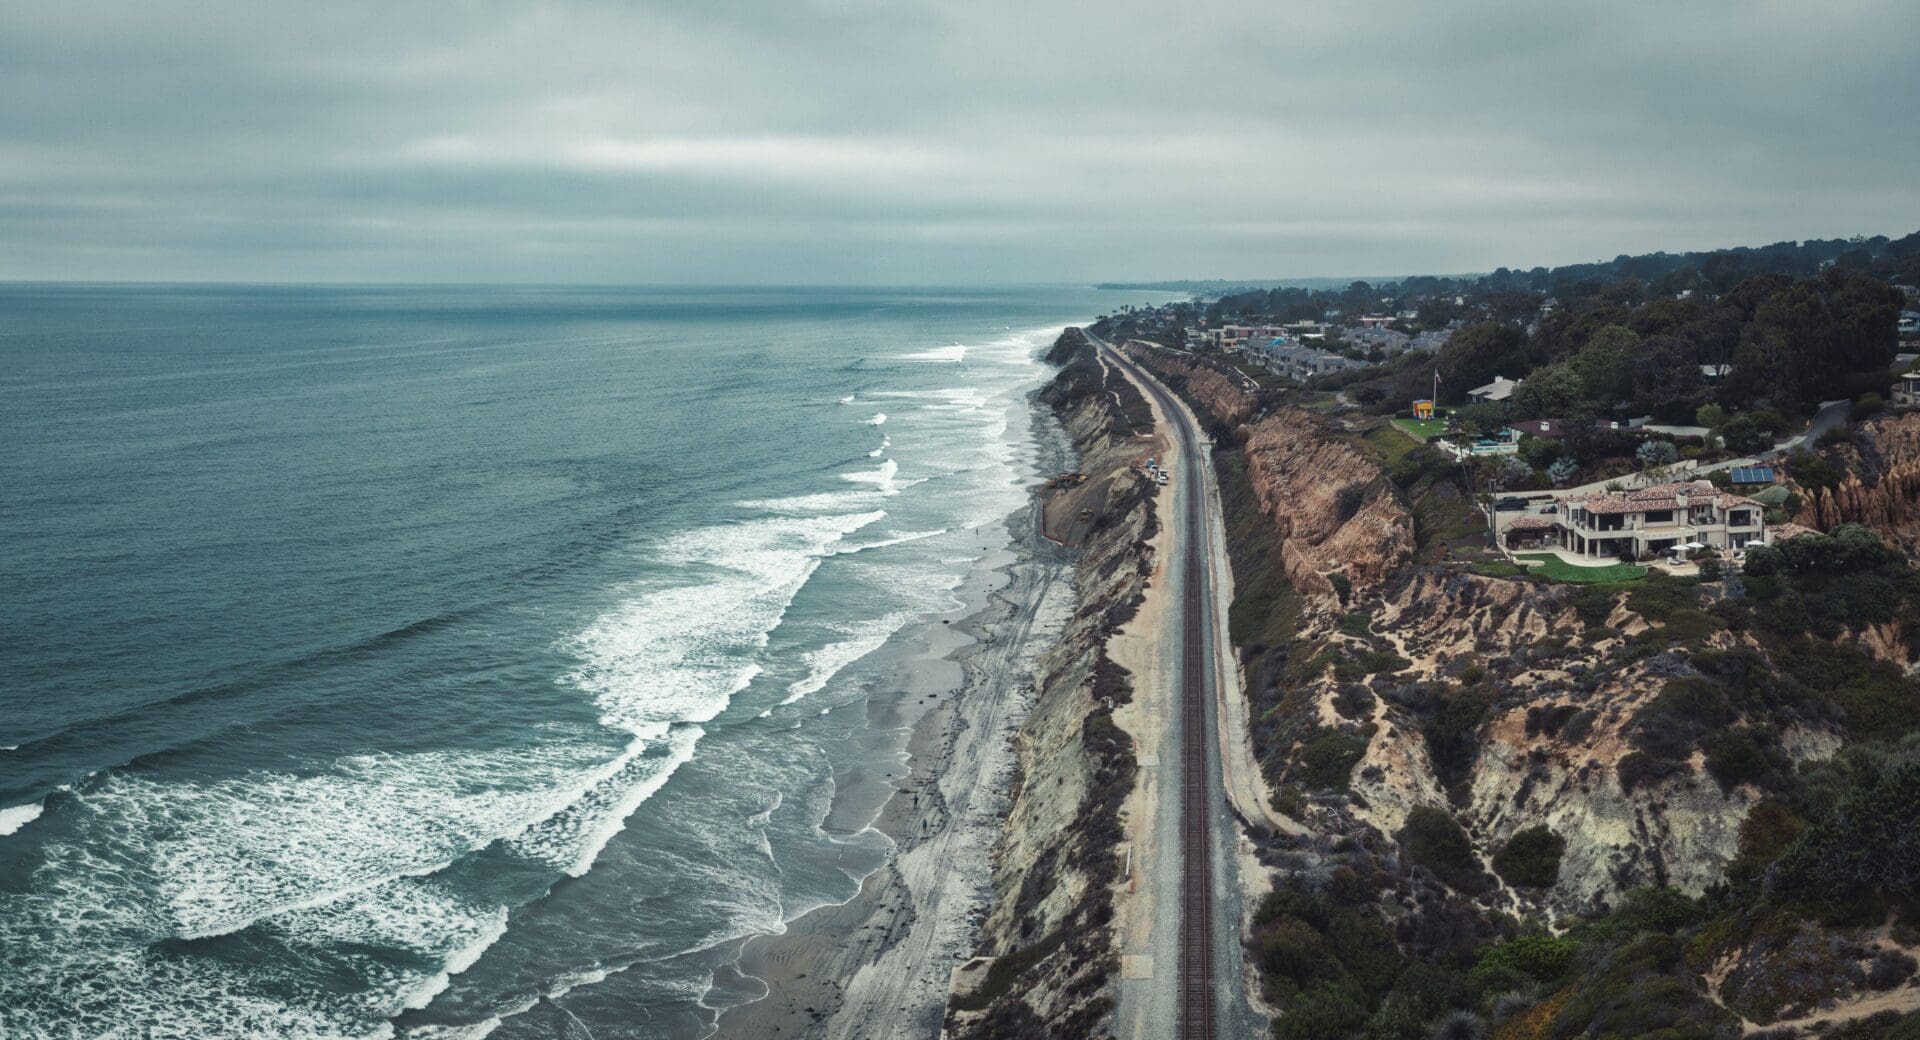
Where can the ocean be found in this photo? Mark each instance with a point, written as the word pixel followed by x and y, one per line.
pixel 466 661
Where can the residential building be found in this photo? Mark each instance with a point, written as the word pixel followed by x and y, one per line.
pixel 1374 337
pixel 1551 429
pixel 1906 392
pixel 1228 337
pixel 1300 362
pixel 1499 390
pixel 1643 523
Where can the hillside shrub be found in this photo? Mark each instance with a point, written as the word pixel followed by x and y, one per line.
pixel 1433 839
pixel 1746 755
pixel 1326 762
pixel 1870 840
pixel 1531 858
pixel 1537 955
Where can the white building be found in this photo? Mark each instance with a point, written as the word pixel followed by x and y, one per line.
pixel 1499 390
pixel 1643 523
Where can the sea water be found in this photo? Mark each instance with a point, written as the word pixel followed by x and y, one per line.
pixel 463 661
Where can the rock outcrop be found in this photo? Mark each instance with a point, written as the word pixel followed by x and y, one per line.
pixel 1334 511
pixel 1881 491
pixel 1218 389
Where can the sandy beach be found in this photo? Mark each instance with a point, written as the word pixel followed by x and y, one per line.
pixel 879 965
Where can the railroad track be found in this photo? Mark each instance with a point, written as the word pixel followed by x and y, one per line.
pixel 1198 996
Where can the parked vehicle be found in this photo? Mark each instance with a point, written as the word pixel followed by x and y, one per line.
pixel 1509 505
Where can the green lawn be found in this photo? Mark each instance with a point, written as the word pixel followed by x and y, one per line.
pixel 1560 570
pixel 1422 429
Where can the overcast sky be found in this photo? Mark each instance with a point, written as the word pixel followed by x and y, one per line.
pixel 898 141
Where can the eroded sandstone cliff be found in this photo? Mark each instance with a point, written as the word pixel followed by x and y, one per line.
pixel 1882 487
pixel 1046 950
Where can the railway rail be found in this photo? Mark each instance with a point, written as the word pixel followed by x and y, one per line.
pixel 1199 997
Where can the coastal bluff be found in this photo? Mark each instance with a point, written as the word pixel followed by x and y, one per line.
pixel 1046 951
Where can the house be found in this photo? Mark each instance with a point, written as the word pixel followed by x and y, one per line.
pixel 1229 337
pixel 1643 523
pixel 1432 341
pixel 1551 429
pixel 1499 390
pixel 1385 340
pixel 1297 361
pixel 1906 392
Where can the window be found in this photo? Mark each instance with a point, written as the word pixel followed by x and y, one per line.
pixel 1659 516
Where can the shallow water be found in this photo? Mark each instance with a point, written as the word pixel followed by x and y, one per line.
pixel 455 661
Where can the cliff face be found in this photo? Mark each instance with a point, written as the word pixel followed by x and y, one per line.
pixel 1554 704
pixel 1220 391
pixel 1329 502
pixel 1046 949
pixel 1555 728
pixel 1888 498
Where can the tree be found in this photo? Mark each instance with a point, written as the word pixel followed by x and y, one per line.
pixel 1548 393
pixel 1744 435
pixel 1714 418
pixel 1605 364
pixel 1483 417
pixel 1667 383
pixel 1477 353
pixel 1540 452
pixel 1815 339
pixel 1563 470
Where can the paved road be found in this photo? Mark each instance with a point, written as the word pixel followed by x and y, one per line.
pixel 1832 414
pixel 1197 984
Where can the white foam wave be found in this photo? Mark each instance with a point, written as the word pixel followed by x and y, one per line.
pixel 879 419
pixel 885 443
pixel 682 645
pixel 847 399
pixel 896 538
pixel 818 502
pixel 881 478
pixel 573 839
pixel 11 820
pixel 950 355
pixel 827 661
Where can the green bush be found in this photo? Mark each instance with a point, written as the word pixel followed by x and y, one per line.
pixel 1537 955
pixel 1593 604
pixel 1869 840
pixel 1530 858
pixel 1434 840
pixel 1745 755
pixel 1452 735
pixel 1327 761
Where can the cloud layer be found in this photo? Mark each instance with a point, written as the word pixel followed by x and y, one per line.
pixel 870 141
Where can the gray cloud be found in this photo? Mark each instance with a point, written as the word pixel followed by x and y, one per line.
pixel 869 141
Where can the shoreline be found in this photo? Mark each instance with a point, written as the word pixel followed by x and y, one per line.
pixel 879 964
